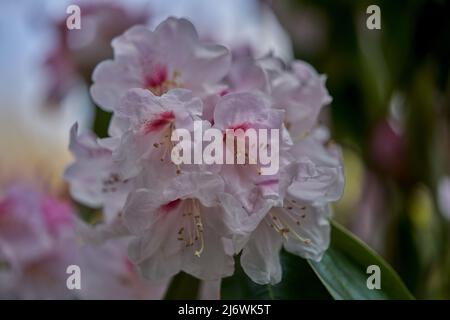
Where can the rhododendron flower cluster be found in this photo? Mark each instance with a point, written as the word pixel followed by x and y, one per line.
pixel 197 217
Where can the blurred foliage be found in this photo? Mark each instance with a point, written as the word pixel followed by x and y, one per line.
pixel 182 287
pixel 299 282
pixel 392 85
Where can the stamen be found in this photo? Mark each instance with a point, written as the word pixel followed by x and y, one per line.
pixel 283 228
pixel 304 240
pixel 278 226
pixel 112 182
pixel 190 232
pixel 291 216
pixel 168 147
pixel 192 229
pixel 159 82
pixel 293 203
pixel 199 228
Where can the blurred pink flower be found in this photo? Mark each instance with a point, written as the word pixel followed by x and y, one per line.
pixel 37 243
pixel 77 52
pixel 389 150
pixel 444 196
pixel 94 179
pixel 39 240
pixel 108 274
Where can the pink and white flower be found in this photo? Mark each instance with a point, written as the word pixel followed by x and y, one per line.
pixel 169 57
pixel 245 110
pixel 152 119
pixel 301 224
pixel 94 178
pixel 183 225
pixel 297 88
pixel 196 217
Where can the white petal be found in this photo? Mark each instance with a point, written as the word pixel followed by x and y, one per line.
pixel 140 211
pixel 203 186
pixel 320 177
pixel 250 108
pixel 112 79
pixel 260 257
pixel 213 263
pixel 210 290
pixel 160 266
pixel 314 227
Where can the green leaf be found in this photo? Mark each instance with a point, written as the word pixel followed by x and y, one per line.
pixel 341 274
pixel 299 282
pixel 343 270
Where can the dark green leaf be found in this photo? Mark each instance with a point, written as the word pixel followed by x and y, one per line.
pixel 299 282
pixel 182 287
pixel 343 270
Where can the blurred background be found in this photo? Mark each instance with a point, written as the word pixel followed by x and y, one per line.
pixel 390 110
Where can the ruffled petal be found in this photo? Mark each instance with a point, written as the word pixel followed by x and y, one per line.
pixel 260 257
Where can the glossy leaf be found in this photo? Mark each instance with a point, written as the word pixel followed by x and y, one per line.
pixel 344 270
pixel 299 282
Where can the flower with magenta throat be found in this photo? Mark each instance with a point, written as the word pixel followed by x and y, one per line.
pixel 194 217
